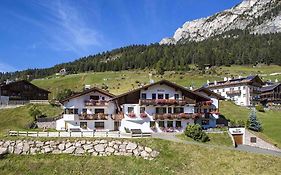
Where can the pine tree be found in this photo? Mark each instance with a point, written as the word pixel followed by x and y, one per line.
pixel 254 123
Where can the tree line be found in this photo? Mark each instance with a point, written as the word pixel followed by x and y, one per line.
pixel 233 47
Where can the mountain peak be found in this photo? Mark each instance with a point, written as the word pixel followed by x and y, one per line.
pixel 255 16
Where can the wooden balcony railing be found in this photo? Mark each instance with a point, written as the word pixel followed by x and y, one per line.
pixel 176 116
pixel 117 117
pixel 99 116
pixel 165 102
pixel 232 92
pixel 96 103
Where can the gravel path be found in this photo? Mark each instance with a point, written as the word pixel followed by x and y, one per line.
pixel 172 137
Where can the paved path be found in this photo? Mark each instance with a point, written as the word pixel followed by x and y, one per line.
pixel 172 137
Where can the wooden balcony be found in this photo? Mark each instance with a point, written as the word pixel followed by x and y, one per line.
pixel 176 116
pixel 117 117
pixel 169 102
pixel 96 103
pixel 99 116
pixel 233 92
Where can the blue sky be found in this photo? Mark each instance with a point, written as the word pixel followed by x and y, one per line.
pixel 42 33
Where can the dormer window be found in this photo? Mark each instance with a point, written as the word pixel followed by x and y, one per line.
pixel 94 97
pixel 153 96
pixel 167 96
pixel 177 96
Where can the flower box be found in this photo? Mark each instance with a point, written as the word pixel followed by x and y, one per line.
pixel 132 115
pixel 143 115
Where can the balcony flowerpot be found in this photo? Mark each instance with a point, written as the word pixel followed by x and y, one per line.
pixel 132 115
pixel 143 115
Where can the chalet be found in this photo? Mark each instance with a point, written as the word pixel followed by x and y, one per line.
pixel 21 91
pixel 271 94
pixel 88 110
pixel 243 91
pixel 211 110
pixel 160 107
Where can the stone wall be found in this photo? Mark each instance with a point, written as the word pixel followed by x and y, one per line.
pixel 83 147
pixel 48 125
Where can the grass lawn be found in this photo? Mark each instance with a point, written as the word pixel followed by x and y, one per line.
pixel 174 158
pixel 215 139
pixel 271 120
pixel 19 118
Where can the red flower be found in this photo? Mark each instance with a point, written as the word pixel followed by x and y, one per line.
pixel 132 115
pixel 143 115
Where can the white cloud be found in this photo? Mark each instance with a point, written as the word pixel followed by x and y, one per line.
pixel 65 26
pixel 6 68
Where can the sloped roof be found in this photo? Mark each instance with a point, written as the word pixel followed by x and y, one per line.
pixel 88 91
pixel 207 91
pixel 183 89
pixel 247 79
pixel 270 87
pixel 24 82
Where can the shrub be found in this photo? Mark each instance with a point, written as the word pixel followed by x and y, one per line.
pixel 260 108
pixel 196 133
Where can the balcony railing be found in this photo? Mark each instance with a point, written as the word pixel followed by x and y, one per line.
pixel 96 103
pixel 164 102
pixel 233 92
pixel 117 117
pixel 176 116
pixel 254 91
pixel 99 116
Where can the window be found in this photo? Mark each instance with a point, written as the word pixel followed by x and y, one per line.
pixel 239 88
pixel 152 124
pixel 102 98
pixel 130 109
pixel 178 124
pixel 161 124
pixel 84 110
pixel 161 110
pixel 83 125
pixel 94 97
pixel 160 96
pixel 205 122
pixel 143 96
pixel 222 90
pixel 170 124
pixel 169 110
pixel 153 96
pixel 205 110
pixel 99 125
pixel 167 96
pixel 142 109
pixel 75 111
pixel 244 87
pixel 178 110
pixel 177 96
pixel 97 111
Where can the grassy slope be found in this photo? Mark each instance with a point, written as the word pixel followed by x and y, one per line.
pixel 271 120
pixel 174 158
pixel 19 117
pixel 215 139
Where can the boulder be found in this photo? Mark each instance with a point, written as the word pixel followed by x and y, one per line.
pixel 131 146
pixel 154 154
pixel 69 150
pixel 61 146
pixel 87 146
pixel 3 151
pixel 109 150
pixel 99 147
pixel 147 149
pixel 79 150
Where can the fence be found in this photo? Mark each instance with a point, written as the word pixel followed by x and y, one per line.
pixel 104 134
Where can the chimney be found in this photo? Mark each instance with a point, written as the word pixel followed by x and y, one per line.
pixel 276 80
pixel 224 79
pixel 215 82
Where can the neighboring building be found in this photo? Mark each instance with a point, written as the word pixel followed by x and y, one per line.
pixel 88 110
pixel 271 94
pixel 62 72
pixel 21 91
pixel 161 106
pixel 212 110
pixel 243 91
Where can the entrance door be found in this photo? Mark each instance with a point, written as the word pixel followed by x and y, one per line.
pixel 116 125
pixel 238 138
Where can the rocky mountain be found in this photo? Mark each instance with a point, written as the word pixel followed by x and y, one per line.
pixel 255 16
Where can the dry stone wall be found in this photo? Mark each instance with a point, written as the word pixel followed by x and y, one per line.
pixel 82 147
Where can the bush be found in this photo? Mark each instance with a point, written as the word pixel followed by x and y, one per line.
pixel 260 108
pixel 64 94
pixel 196 133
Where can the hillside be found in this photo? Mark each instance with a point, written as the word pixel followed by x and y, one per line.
pixel 255 16
pixel 122 81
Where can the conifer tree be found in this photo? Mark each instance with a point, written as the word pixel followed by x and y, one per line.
pixel 254 123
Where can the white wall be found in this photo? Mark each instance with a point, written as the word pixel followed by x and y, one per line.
pixel 161 89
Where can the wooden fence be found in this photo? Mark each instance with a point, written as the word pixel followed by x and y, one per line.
pixel 105 134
